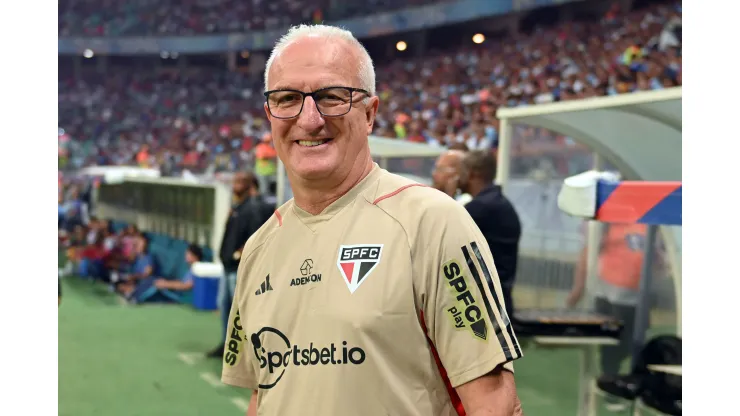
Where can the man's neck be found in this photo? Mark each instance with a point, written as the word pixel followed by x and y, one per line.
pixel 239 198
pixel 314 199
pixel 476 188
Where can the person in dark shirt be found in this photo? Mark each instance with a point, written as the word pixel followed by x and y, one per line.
pixel 248 212
pixel 495 216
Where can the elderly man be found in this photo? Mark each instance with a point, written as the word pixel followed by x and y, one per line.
pixel 366 294
pixel 446 174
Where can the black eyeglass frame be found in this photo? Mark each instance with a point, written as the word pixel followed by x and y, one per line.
pixel 312 94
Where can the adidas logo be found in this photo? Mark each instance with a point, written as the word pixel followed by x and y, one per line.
pixel 264 287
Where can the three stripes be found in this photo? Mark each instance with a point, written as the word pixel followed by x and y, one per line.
pixel 264 287
pixel 517 352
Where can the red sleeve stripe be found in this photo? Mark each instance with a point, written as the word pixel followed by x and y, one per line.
pixel 279 218
pixel 454 398
pixel 396 192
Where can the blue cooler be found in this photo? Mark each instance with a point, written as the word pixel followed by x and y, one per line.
pixel 83 268
pixel 206 279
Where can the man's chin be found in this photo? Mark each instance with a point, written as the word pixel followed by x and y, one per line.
pixel 313 172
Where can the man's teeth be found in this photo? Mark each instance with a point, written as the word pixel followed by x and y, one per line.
pixel 311 143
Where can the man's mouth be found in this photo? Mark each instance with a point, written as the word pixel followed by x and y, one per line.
pixel 313 143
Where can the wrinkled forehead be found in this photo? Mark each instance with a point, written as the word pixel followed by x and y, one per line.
pixel 313 62
pixel 445 162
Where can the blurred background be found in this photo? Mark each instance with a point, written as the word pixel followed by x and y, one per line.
pixel 160 103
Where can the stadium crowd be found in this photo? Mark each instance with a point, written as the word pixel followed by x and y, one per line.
pixel 194 17
pixel 200 119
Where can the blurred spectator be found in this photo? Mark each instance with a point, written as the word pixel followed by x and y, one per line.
pixel 494 215
pixel 75 244
pixel 619 268
pixel 248 212
pixel 265 163
pixel 446 173
pixel 73 211
pixel 139 267
pixel 208 120
pixel 142 157
pixel 159 289
pixel 192 17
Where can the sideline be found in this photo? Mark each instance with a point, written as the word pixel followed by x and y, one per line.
pixel 191 358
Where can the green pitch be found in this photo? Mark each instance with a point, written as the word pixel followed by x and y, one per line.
pixel 118 360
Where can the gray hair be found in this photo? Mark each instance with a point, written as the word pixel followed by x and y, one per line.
pixel 366 69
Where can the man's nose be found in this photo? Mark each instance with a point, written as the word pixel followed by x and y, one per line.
pixel 310 118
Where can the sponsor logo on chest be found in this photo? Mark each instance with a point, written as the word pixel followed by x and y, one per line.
pixel 275 353
pixel 307 275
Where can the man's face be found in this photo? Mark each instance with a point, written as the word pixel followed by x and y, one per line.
pixel 189 257
pixel 307 65
pixel 239 184
pixel 445 174
pixel 140 246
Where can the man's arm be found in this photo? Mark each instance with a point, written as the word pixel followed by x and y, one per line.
pixel 464 310
pixel 141 276
pixel 493 394
pixel 173 284
pixel 579 279
pixel 252 409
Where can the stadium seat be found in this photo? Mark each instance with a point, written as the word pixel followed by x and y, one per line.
pixel 180 270
pixel 164 259
pixel 118 226
pixel 207 254
pixel 159 239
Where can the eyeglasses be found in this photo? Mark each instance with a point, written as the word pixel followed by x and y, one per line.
pixel 331 101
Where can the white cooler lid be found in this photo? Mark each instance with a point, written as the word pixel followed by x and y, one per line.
pixel 208 270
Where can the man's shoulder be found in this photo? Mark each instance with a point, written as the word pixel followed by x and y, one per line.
pixel 404 198
pixel 266 232
pixel 394 189
pixel 476 205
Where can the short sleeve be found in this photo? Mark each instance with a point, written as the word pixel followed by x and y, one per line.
pixel 461 297
pixel 236 370
pixel 187 277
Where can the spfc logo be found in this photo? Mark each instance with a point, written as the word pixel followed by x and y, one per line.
pixel 356 262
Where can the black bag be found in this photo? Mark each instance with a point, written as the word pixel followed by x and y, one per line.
pixel 661 391
pixel 658 390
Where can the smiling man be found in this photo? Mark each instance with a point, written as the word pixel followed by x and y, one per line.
pixel 366 294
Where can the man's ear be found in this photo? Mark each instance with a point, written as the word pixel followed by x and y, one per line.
pixel 267 111
pixel 371 110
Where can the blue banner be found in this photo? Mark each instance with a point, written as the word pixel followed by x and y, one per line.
pixel 363 27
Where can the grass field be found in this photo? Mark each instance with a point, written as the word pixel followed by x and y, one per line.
pixel 118 360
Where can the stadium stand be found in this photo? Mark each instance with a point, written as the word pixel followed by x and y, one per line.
pixel 193 17
pixel 210 117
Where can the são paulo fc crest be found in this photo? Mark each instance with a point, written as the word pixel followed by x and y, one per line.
pixel 356 262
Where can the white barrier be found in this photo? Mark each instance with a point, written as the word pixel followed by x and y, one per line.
pixel 175 207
